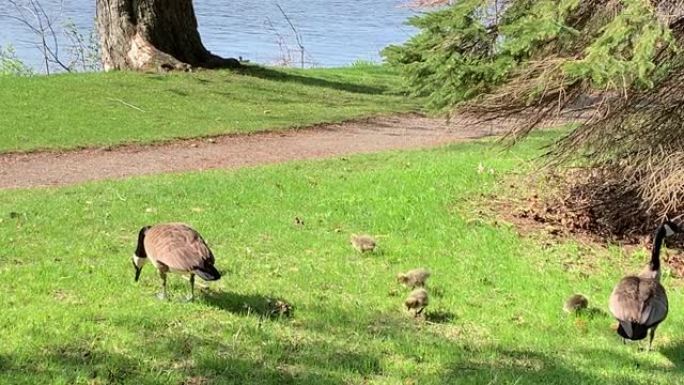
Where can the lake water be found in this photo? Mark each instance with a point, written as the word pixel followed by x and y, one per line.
pixel 334 32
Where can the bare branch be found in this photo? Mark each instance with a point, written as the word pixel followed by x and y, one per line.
pixel 297 35
pixel 32 15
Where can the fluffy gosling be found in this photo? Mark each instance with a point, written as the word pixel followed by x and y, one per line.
pixel 363 243
pixel 414 278
pixel 417 301
pixel 576 303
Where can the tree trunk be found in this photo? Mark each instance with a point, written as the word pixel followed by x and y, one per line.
pixel 152 35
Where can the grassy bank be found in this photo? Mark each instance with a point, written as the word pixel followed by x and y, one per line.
pixel 104 109
pixel 73 315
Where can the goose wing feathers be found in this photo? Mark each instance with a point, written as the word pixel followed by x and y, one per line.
pixel 655 309
pixel 638 300
pixel 178 246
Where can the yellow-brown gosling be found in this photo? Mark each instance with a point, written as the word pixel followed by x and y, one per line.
pixel 576 303
pixel 414 278
pixel 639 302
pixel 176 248
pixel 417 301
pixel 363 243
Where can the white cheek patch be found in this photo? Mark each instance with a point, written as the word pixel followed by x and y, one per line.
pixel 139 261
pixel 668 230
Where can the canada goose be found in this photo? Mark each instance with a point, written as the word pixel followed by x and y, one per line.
pixel 174 247
pixel 417 301
pixel 363 243
pixel 576 303
pixel 639 302
pixel 414 278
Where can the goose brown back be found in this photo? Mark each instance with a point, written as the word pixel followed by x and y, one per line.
pixel 177 247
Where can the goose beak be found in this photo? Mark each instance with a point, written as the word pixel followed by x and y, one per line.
pixel 137 272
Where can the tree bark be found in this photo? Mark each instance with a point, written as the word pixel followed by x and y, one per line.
pixel 153 35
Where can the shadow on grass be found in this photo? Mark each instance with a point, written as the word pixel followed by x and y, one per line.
pixel 187 360
pixel 236 371
pixel 71 363
pixel 250 304
pixel 440 316
pixel 500 365
pixel 674 352
pixel 594 312
pixel 270 74
pixel 290 361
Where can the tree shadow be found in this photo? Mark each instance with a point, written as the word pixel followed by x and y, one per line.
pixel 271 74
pixel 239 372
pixel 216 362
pixel 193 360
pixel 292 361
pixel 70 363
pixel 675 353
pixel 499 365
pixel 250 304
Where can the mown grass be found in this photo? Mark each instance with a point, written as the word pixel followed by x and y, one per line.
pixel 105 109
pixel 71 313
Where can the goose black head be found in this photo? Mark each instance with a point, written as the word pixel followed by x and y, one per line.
pixel 671 228
pixel 140 256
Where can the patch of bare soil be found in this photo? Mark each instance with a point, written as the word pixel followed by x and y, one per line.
pixel 676 262
pixel 560 213
pixel 566 204
pixel 406 131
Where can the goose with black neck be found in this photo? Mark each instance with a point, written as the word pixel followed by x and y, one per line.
pixel 639 302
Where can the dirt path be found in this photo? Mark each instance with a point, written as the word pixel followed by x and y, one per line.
pixel 376 134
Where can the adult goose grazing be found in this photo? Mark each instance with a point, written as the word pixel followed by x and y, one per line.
pixel 639 302
pixel 177 248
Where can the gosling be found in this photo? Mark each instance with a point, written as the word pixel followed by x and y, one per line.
pixel 363 243
pixel 177 248
pixel 417 301
pixel 414 278
pixel 640 303
pixel 576 303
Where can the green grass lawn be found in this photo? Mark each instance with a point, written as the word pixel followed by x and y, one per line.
pixel 104 109
pixel 71 313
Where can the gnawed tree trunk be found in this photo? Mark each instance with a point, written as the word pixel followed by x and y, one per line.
pixel 152 35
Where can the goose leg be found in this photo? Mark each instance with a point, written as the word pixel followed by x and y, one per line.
pixel 650 340
pixel 162 294
pixel 192 287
